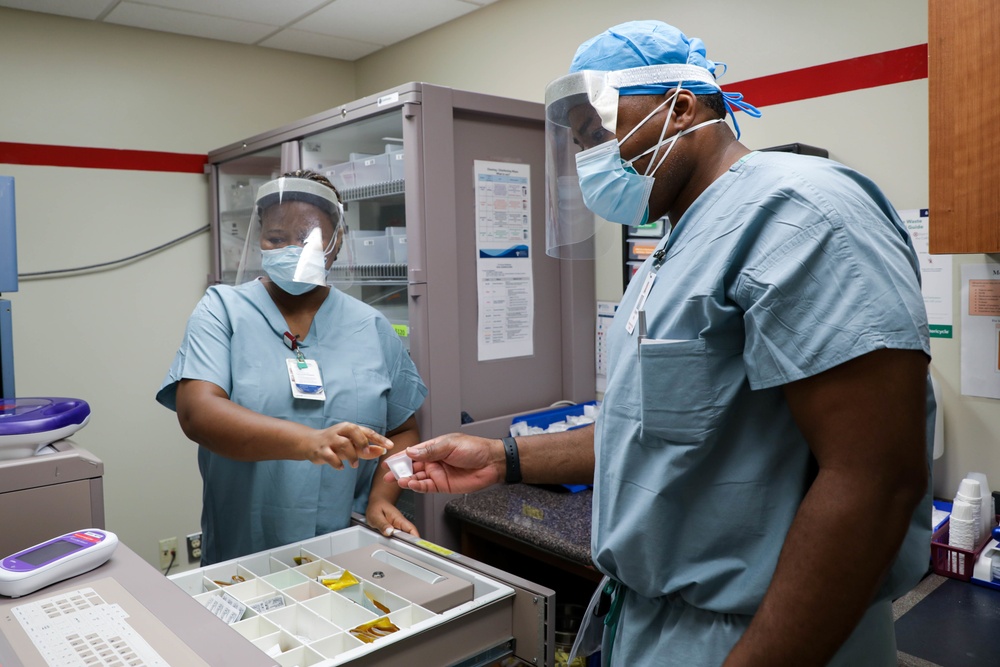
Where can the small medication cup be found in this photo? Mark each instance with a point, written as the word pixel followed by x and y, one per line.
pixel 401 465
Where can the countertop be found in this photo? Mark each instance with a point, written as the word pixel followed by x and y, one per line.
pixel 554 521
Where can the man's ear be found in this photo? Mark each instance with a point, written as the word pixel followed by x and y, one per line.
pixel 685 109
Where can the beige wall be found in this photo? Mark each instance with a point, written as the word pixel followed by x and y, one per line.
pixel 109 337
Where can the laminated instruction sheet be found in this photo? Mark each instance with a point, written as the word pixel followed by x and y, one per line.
pixel 505 281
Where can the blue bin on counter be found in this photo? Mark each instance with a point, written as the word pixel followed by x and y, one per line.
pixel 546 418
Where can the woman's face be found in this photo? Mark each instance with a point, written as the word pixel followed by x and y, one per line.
pixel 290 223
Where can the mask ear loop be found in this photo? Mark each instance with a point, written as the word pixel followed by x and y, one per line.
pixel 652 113
pixel 649 168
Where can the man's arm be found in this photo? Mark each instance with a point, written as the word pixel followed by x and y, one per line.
pixel 865 424
pixel 458 463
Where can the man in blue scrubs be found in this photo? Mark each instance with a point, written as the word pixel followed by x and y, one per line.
pixel 761 459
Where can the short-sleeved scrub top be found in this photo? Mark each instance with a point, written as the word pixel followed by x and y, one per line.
pixel 784 267
pixel 234 340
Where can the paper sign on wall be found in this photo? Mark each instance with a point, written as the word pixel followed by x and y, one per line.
pixel 935 274
pixel 503 260
pixel 981 330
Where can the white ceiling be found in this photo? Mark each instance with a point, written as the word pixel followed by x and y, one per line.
pixel 344 29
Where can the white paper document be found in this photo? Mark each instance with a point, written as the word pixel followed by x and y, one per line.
pixel 935 274
pixel 981 330
pixel 505 278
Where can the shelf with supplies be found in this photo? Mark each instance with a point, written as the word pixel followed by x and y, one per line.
pixel 640 242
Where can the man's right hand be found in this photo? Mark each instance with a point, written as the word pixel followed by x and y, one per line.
pixel 454 463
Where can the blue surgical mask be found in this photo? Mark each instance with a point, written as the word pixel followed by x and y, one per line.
pixel 611 187
pixel 280 264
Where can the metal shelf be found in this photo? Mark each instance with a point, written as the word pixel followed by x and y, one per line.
pixel 370 274
pixel 373 191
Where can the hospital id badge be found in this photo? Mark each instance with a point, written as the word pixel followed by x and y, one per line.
pixel 640 302
pixel 306 382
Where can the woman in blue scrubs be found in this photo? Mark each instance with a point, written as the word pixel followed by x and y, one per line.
pixel 293 390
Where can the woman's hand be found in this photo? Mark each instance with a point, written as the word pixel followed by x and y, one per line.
pixel 344 443
pixel 382 515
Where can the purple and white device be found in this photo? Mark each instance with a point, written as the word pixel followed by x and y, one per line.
pixel 28 424
pixel 50 562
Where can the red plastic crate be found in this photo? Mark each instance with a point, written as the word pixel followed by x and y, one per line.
pixel 951 561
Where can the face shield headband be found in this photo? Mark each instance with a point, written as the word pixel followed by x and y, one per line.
pixel 291 245
pixel 589 100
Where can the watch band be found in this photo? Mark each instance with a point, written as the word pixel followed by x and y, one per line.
pixel 513 461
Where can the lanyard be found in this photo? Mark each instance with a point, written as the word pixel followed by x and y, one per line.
pixel 292 343
pixel 638 315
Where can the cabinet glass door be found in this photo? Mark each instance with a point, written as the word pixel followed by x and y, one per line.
pixel 364 161
pixel 237 181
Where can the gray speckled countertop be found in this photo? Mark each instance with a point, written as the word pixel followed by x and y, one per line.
pixel 554 521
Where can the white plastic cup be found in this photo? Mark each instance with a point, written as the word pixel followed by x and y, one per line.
pixel 961 510
pixel 970 488
pixel 400 464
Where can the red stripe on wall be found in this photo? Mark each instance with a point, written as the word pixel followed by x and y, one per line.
pixel 100 158
pixel 878 69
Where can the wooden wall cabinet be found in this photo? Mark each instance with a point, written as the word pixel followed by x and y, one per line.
pixel 964 125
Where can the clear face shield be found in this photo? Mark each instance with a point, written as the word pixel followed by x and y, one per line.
pixel 296 234
pixel 581 115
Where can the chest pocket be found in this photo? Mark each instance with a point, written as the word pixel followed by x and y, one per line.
pixel 685 390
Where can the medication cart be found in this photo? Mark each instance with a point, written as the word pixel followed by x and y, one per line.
pixel 357 597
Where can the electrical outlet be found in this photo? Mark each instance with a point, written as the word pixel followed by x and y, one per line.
pixel 194 547
pixel 168 551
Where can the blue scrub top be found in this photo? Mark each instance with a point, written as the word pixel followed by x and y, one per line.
pixel 785 267
pixel 234 340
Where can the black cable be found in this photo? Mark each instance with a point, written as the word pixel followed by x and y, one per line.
pixel 173 557
pixel 144 253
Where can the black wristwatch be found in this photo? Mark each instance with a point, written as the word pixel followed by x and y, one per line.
pixel 513 461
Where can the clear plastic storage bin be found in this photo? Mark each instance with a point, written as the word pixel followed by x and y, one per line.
pixel 370 247
pixel 396 172
pixel 341 175
pixel 397 244
pixel 371 170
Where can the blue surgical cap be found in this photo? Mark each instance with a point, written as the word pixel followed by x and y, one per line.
pixel 642 43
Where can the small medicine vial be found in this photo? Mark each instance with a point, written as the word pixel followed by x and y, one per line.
pixel 401 465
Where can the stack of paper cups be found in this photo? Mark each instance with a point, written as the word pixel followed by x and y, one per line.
pixel 963 532
pixel 970 491
pixel 989 511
